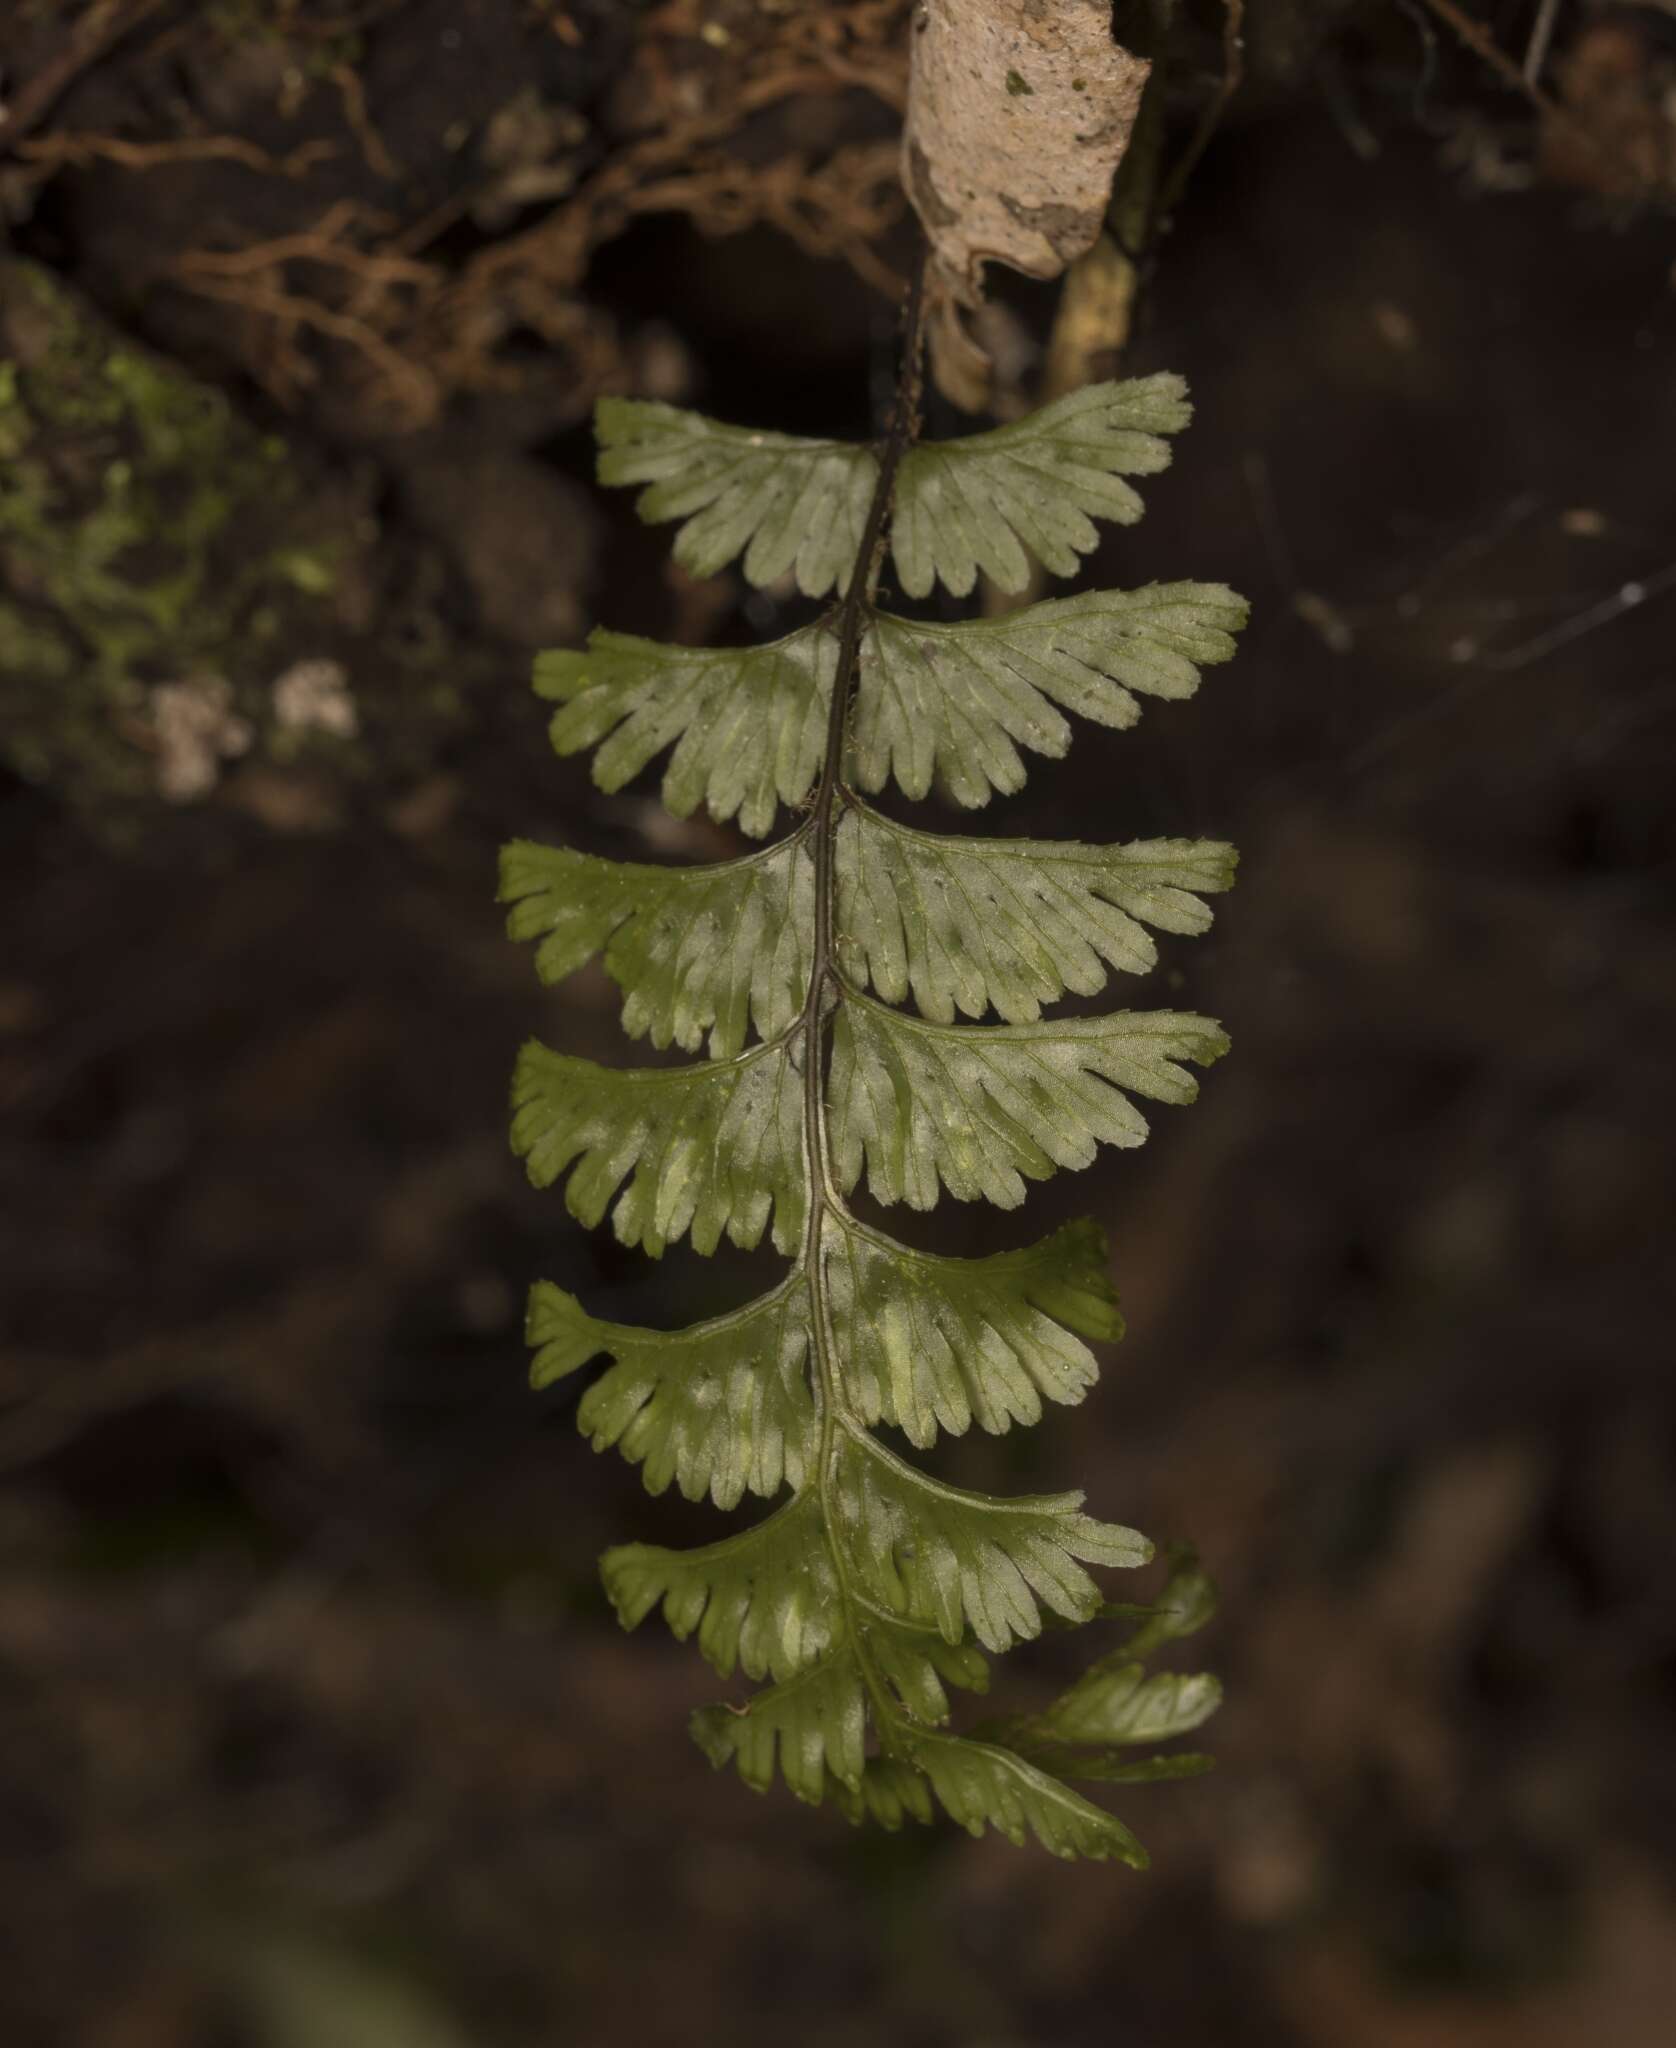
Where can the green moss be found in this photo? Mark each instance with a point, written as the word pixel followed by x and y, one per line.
pixel 146 534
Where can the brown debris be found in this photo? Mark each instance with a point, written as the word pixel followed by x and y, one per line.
pixel 1616 87
pixel 357 287
pixel 1019 112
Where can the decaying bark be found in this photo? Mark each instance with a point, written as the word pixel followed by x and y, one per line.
pixel 1019 112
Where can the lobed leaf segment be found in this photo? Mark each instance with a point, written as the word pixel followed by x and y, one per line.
pixel 874 1589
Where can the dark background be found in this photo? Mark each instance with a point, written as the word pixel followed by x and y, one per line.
pixel 317 1732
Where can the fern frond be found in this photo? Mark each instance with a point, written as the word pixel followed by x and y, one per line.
pixel 1117 1705
pixel 961 1560
pixel 1034 487
pixel 1186 1605
pixel 697 950
pixel 1120 1703
pixel 873 1590
pixel 781 501
pixel 916 1661
pixel 723 1407
pixel 971 925
pixel 923 1552
pixel 1011 1774
pixel 766 1599
pixel 747 723
pixel 979 1110
pixel 716 1147
pixel 711 1148
pixel 986 502
pixel 814 1724
pixel 943 705
pixel 929 1343
pixel 890 1792
pixel 926 1343
pixel 981 1784
pixel 951 705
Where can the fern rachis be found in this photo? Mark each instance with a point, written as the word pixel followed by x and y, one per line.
pixel 874 1589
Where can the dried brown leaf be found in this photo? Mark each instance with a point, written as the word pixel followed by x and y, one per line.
pixel 1019 112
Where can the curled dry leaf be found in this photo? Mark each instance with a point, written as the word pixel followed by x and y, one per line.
pixel 1019 112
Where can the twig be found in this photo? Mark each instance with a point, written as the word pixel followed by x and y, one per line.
pixel 808 207
pixel 318 244
pixel 1477 37
pixel 419 386
pixel 1542 34
pixel 354 96
pixel 104 24
pixel 80 150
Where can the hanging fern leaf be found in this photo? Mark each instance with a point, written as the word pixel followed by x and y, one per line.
pixel 990 1786
pixel 816 1721
pixel 891 1791
pixel 696 951
pixel 952 705
pixel 766 1599
pixel 986 502
pixel 872 1593
pixel 918 1664
pixel 1032 488
pixel 939 1554
pixel 1116 1706
pixel 708 1148
pixel 981 1784
pixel 747 724
pixel 782 502
pixel 928 1343
pixel 813 1725
pixel 979 1110
pixel 722 1408
pixel 1120 1703
pixel 971 925
pixel 943 705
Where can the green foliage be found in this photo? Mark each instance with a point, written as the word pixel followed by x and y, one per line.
pixel 696 951
pixel 722 1408
pixel 990 501
pixel 986 502
pixel 873 1591
pixel 708 1148
pixel 1117 1705
pixel 1008 925
pixel 944 705
pixel 951 705
pixel 928 1344
pixel 146 536
pixel 982 1109
pixel 747 724
pixel 783 502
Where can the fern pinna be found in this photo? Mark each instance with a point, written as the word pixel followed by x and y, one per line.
pixel 873 1588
